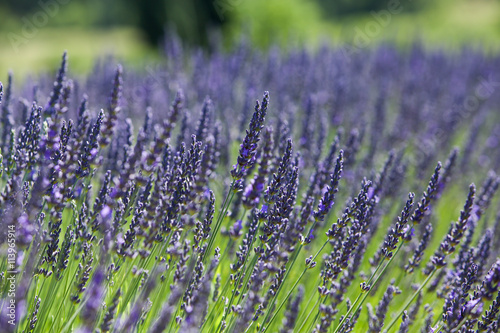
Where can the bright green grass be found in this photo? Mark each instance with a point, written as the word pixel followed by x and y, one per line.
pixel 43 51
pixel 444 23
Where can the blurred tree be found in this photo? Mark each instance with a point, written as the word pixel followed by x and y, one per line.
pixel 151 18
pixel 21 7
pixel 193 19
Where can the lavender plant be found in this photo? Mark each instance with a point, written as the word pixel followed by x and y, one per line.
pixel 127 206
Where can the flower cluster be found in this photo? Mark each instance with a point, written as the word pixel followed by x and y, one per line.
pixel 127 206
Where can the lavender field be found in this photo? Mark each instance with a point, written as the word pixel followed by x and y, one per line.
pixel 254 191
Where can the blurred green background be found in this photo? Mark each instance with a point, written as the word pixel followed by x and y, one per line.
pixel 34 33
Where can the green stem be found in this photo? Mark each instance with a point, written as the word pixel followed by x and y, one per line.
pixel 223 211
pixel 156 304
pixel 224 254
pixel 311 325
pixel 215 304
pixel 242 270
pixel 249 326
pixel 438 318
pixel 301 319
pixel 439 328
pixel 248 274
pixel 49 300
pixel 415 294
pixel 265 327
pixel 62 303
pixel 356 307
pixel 308 315
pixel 294 257
pixel 361 293
pixel 73 317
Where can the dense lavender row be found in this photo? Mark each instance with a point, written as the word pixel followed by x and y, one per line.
pixel 167 200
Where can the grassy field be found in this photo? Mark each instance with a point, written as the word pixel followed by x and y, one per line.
pixel 44 50
pixel 449 24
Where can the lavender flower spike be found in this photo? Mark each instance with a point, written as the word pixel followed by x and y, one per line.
pixel 249 146
pixel 326 202
pixel 456 232
pixel 57 90
pixel 113 108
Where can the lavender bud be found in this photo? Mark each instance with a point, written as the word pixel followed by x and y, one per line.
pixel 271 194
pixel 57 90
pixel 427 197
pixel 248 148
pixel 113 108
pixel 415 260
pixel 253 191
pixel 327 201
pixel 205 119
pixel 456 231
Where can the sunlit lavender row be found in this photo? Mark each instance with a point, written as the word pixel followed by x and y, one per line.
pixel 253 191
